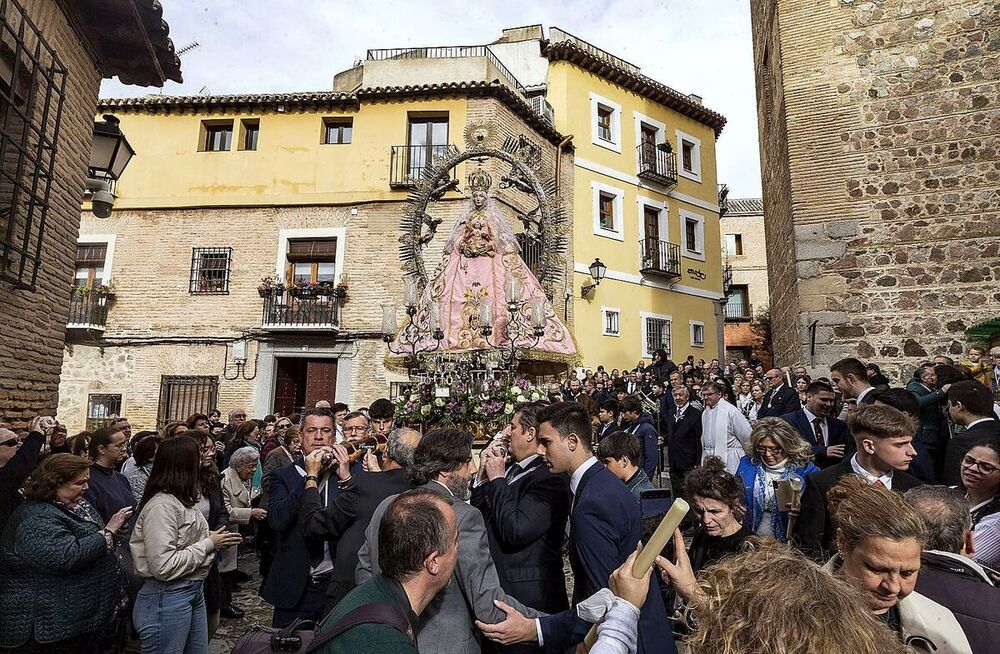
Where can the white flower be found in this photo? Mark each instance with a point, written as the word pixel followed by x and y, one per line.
pixel 425 410
pixel 508 408
pixel 414 397
pixel 535 397
pixel 439 401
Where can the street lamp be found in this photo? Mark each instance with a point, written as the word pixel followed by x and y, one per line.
pixel 597 270
pixel 109 154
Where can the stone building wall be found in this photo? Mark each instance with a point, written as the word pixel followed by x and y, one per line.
pixel 156 327
pixel 879 136
pixel 31 339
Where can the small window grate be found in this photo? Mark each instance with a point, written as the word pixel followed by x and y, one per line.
pixel 32 86
pixel 182 397
pixel 102 409
pixel 611 327
pixel 657 335
pixel 210 268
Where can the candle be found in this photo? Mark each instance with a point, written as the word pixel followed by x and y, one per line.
pixel 538 313
pixel 389 325
pixel 486 314
pixel 410 292
pixel 643 562
pixel 434 316
pixel 512 289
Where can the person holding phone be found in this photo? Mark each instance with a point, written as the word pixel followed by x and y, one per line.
pixel 173 549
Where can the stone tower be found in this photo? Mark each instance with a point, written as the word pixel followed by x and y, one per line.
pixel 880 156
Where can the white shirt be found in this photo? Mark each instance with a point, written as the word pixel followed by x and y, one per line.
pixel 524 463
pixel 577 476
pixel 870 389
pixel 826 429
pixel 869 477
pixel 976 422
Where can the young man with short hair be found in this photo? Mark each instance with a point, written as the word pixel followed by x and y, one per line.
pixel 640 424
pixel 970 404
pixel 884 439
pixel 619 452
pixel 850 376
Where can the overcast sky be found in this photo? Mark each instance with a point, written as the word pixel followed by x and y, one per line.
pixel 254 46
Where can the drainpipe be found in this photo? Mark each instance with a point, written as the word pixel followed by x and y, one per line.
pixel 559 148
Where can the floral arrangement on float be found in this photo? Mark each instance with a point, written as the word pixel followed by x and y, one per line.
pixel 483 411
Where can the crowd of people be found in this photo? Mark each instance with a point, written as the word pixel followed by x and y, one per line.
pixel 831 513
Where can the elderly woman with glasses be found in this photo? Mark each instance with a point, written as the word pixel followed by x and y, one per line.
pixel 775 453
pixel 981 479
pixel 238 494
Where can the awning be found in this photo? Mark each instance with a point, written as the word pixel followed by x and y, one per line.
pixel 989 327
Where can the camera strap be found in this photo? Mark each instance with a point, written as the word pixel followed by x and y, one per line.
pixel 376 613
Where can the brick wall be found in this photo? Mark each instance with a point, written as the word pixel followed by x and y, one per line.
pixel 151 269
pixel 879 137
pixel 31 341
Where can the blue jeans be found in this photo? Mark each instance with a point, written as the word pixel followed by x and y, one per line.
pixel 170 617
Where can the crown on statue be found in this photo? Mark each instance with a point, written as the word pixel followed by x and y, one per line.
pixel 480 180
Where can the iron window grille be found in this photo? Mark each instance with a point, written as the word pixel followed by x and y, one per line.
pixel 181 397
pixel 611 325
pixel 210 268
pixel 698 335
pixel 657 335
pixel 102 409
pixel 32 88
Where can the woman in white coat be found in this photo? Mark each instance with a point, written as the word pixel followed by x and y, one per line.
pixel 237 495
pixel 725 431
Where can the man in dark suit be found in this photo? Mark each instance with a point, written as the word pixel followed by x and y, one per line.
pixel 683 438
pixel 607 414
pixel 851 377
pixel 344 521
pixel 827 435
pixel 605 527
pixel 525 507
pixel 884 438
pixel 971 405
pixel 297 581
pixel 780 399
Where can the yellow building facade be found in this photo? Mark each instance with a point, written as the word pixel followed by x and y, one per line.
pixel 645 203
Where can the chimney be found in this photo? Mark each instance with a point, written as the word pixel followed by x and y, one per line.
pixel 695 98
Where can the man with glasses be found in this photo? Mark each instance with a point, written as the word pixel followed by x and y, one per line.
pixel 969 404
pixel 17 460
pixel 780 399
pixel 236 418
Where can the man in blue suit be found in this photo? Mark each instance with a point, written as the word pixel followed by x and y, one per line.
pixel 605 526
pixel 297 582
pixel 827 435
pixel 781 399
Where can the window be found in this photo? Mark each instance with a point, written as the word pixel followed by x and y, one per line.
pixel 427 137
pixel 312 260
pixel 210 270
pixel 689 151
pixel 218 136
pixel 102 409
pixel 734 245
pixel 611 319
pixel 697 334
pixel 606 123
pixel 32 86
pixel 90 264
pixel 655 333
pixel 608 211
pixel 251 130
pixel 180 397
pixel 738 303
pixel 337 130
pixel 693 235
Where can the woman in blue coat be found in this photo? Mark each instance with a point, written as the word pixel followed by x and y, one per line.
pixel 776 452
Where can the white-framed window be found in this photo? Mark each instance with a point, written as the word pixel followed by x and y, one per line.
pixel 655 333
pixel 606 123
pixel 332 261
pixel 692 235
pixel 652 212
pixel 611 321
pixel 608 203
pixel 94 254
pixel 649 133
pixel 697 333
pixel 734 245
pixel 688 156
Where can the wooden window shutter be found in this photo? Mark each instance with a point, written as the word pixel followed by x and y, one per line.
pixel 91 254
pixel 312 250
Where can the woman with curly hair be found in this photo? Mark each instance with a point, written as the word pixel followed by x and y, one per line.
pixel 61 586
pixel 717 503
pixel 752 603
pixel 775 453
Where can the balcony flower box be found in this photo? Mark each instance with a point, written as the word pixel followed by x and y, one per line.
pixel 269 287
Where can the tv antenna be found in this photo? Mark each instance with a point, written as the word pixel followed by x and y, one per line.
pixel 193 45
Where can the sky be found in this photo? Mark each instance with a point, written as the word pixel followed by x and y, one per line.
pixel 258 46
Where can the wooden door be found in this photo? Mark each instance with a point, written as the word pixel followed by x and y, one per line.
pixel 651 230
pixel 285 387
pixel 321 381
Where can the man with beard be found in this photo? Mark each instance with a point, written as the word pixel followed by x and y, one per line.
pixel 443 463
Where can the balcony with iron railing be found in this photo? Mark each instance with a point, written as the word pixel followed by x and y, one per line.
pixel 88 308
pixel 658 257
pixel 300 309
pixel 738 311
pixel 407 163
pixel 723 200
pixel 657 163
pixel 727 278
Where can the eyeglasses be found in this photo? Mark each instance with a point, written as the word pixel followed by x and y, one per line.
pixel 763 449
pixel 283 425
pixel 12 442
pixel 984 467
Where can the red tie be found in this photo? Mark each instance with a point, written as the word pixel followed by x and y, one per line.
pixel 818 427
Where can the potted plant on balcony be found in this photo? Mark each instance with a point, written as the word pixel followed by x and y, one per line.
pixel 340 292
pixel 269 287
pixel 325 289
pixel 302 290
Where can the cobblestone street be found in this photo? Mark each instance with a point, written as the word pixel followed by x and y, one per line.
pixel 257 610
